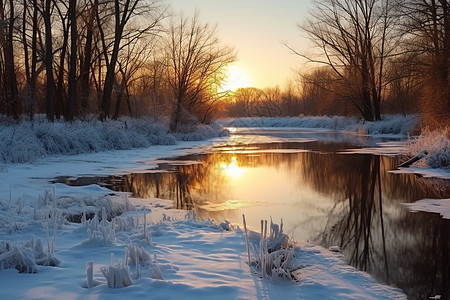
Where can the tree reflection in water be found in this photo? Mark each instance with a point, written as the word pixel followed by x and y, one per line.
pixel 410 250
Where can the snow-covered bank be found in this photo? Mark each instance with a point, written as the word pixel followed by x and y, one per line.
pixel 390 124
pixel 28 141
pixel 155 251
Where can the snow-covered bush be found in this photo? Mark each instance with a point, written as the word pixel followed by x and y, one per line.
pixel 30 140
pixel 25 258
pixel 202 132
pixel 74 208
pixel 437 145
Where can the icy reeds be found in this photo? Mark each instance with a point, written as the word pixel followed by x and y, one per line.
pixel 18 257
pixel 117 275
pixel 25 258
pixel 270 255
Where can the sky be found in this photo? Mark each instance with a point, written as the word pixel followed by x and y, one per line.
pixel 257 30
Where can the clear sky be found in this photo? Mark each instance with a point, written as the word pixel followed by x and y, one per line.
pixel 256 29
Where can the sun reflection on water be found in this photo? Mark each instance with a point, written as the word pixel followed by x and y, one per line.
pixel 232 169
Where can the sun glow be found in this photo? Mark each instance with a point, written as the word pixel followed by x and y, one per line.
pixel 232 169
pixel 236 78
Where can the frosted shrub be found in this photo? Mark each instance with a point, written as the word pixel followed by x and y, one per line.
pixel 17 257
pixel 76 208
pixel 31 140
pixel 18 144
pixel 102 231
pixel 202 132
pixel 137 255
pixel 142 259
pixel 156 270
pixel 41 257
pixel 26 258
pixel 436 144
pixel 48 198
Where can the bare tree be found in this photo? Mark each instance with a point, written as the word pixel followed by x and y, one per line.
pixel 123 11
pixel 355 38
pixel 196 63
pixel 134 57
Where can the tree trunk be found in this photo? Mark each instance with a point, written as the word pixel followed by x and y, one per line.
pixel 33 75
pixel 175 116
pixel 10 79
pixel 49 62
pixel 73 60
pixel 59 102
pixel 86 63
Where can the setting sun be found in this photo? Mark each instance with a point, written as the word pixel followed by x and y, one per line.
pixel 236 78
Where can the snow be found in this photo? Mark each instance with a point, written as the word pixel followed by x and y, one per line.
pixel 437 145
pixel 391 124
pixel 152 249
pixel 440 206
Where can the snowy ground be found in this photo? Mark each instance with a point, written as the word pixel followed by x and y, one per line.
pixel 177 256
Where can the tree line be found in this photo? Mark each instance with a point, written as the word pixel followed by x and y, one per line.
pixel 77 58
pixel 368 57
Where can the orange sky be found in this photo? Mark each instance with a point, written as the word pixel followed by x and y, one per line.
pixel 256 29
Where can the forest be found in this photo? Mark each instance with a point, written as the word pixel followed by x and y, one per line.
pixel 79 59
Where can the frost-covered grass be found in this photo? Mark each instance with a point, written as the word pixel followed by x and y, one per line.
pixel 28 141
pixel 391 124
pixel 436 143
